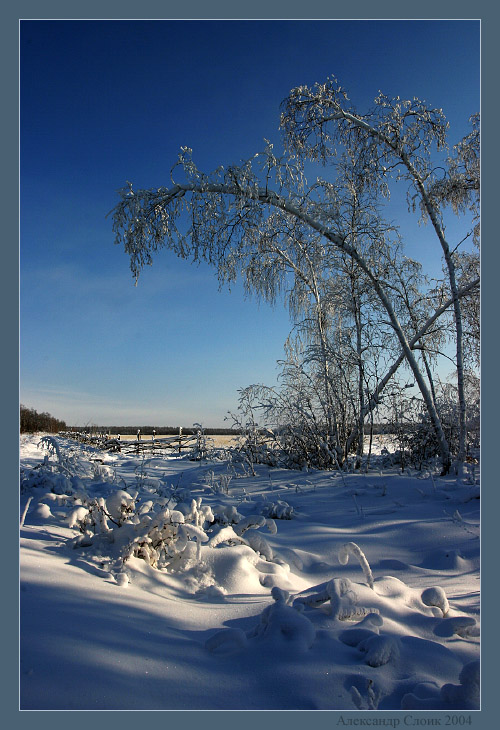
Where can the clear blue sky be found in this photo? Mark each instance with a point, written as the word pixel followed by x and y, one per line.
pixel 103 102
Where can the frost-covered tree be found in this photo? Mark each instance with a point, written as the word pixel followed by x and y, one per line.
pixel 263 220
pixel 395 139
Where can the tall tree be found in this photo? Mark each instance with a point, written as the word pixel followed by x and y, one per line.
pixel 396 136
pixel 262 219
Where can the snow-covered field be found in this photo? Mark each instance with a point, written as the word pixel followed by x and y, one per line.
pixel 165 584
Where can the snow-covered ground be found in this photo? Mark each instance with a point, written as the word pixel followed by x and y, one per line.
pixel 248 598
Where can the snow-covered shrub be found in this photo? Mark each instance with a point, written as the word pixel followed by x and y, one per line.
pixel 230 535
pixel 195 512
pixel 252 522
pixel 218 483
pixel 280 595
pixel 95 522
pixel 43 511
pixel 256 542
pixel 344 600
pixel 52 446
pixel 124 526
pixel 162 539
pixel 101 472
pixel 203 446
pixel 120 506
pixel 45 476
pixel 57 471
pixel 77 517
pixel 226 535
pixel 279 510
pixel 64 460
pixel 226 514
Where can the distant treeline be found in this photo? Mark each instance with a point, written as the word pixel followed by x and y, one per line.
pixel 174 430
pixel 159 430
pixel 31 421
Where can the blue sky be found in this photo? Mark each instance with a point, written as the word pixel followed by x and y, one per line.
pixel 103 102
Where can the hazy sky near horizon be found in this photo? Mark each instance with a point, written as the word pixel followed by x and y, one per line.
pixel 103 102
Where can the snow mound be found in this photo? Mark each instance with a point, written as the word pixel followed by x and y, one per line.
pixel 239 570
pixel 464 626
pixel 464 696
pixel 283 627
pixel 175 600
pixel 445 560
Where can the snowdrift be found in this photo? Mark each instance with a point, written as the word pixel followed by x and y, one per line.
pixel 145 587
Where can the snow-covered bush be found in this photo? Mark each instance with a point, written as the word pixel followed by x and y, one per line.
pixel 159 538
pixel 120 506
pixel 233 535
pixel 278 510
pixel 195 512
pixel 226 514
pixel 252 522
pixel 162 531
pixel 45 476
pixel 218 484
pixel 203 447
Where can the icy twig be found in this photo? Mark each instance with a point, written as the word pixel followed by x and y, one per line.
pixel 25 511
pixel 350 548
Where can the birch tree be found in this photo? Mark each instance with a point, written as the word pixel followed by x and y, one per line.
pixel 262 219
pixel 396 137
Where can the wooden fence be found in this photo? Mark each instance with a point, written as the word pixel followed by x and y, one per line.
pixel 141 444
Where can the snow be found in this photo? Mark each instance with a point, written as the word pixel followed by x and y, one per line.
pixel 244 598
